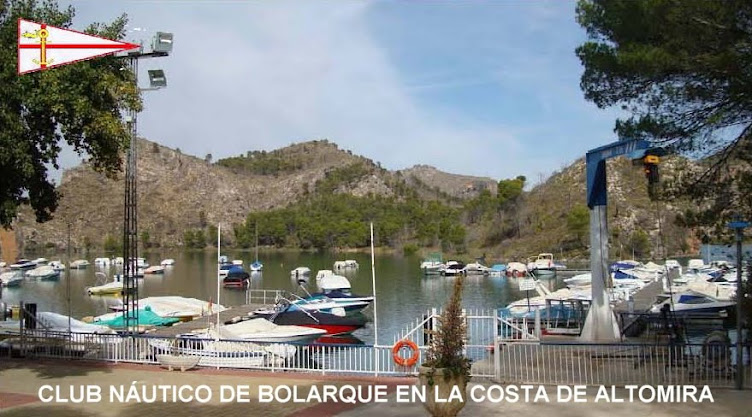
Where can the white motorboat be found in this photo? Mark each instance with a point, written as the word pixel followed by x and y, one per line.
pixel 238 262
pixel 432 264
pixel 692 303
pixel 154 270
pixel 338 288
pixel 57 265
pixel 453 268
pixel 3 264
pixel 167 262
pixel 476 268
pixel 516 269
pixel 322 273
pixel 11 278
pixel 301 273
pixel 223 348
pixel 346 264
pixel 114 287
pixel 23 264
pixel 102 262
pixel 44 273
pixel 79 264
pixel 543 265
pixel 579 280
pixel 40 261
pixel 176 307
pixel 262 330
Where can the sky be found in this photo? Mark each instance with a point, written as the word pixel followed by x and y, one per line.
pixel 487 88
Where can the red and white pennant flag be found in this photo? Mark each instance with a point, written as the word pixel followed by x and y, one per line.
pixel 41 46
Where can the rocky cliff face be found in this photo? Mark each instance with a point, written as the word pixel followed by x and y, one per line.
pixel 462 186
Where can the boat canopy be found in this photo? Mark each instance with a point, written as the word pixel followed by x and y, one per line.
pixel 333 282
pixel 145 317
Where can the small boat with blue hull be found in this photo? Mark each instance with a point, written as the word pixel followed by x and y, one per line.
pixel 497 270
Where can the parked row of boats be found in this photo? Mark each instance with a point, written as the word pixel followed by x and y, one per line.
pixel 698 290
pixel 542 265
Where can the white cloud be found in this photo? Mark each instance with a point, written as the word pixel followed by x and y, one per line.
pixel 276 73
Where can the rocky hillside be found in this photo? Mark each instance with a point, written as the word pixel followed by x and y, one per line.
pixel 553 216
pixel 179 192
pixel 462 186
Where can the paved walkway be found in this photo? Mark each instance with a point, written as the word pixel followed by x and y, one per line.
pixel 20 382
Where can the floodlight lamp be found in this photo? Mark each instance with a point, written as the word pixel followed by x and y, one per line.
pixel 157 78
pixel 163 42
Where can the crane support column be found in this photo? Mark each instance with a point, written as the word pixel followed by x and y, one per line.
pixel 601 324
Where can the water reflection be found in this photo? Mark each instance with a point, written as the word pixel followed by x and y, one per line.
pixel 403 292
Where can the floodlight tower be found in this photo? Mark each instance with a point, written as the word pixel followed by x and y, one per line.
pixel 161 47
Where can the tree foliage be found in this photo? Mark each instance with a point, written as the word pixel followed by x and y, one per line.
pixel 341 220
pixel 578 222
pixel 79 104
pixel 683 69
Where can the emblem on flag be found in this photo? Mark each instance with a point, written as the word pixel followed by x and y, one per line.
pixel 41 46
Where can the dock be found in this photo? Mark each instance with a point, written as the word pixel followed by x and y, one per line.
pixel 230 315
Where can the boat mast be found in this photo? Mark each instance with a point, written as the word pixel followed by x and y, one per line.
pixel 219 254
pixel 375 316
pixel 256 241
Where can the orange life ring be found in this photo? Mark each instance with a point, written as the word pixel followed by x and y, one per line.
pixel 399 360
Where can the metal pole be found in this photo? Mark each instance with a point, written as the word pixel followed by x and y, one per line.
pixel 219 252
pixel 67 281
pixel 739 295
pixel 375 316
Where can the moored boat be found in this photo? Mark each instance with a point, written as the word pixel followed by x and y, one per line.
pixel 79 264
pixel 11 278
pixel 301 273
pixel 453 268
pixel 432 264
pixel 154 270
pixel 44 273
pixel 543 265
pixel 23 264
pixel 476 268
pixel 285 314
pixel 236 277
pixel 114 287
pixel 516 269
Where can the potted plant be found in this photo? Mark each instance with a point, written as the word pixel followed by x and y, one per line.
pixel 446 370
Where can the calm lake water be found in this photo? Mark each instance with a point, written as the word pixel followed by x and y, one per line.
pixel 402 292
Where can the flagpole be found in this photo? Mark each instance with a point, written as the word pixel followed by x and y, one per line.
pixel 375 316
pixel 219 254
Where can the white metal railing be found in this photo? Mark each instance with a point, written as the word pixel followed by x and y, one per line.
pixel 494 355
pixel 265 297
pixel 619 364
